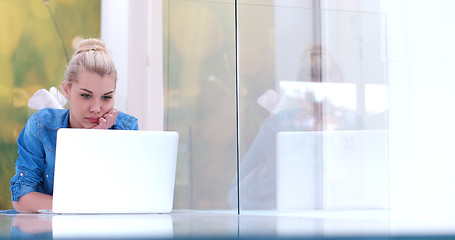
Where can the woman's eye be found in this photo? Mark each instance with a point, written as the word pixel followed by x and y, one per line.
pixel 107 97
pixel 85 95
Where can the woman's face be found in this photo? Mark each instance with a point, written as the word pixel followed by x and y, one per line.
pixel 90 97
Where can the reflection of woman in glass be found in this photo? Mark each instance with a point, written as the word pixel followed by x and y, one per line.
pixel 31 226
pixel 301 112
pixel 89 85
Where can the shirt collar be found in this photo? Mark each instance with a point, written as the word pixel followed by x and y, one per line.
pixel 66 120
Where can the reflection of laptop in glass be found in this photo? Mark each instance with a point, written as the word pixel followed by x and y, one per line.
pixel 112 226
pixel 114 171
pixel 332 170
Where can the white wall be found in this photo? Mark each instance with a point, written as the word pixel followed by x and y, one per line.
pixel 421 62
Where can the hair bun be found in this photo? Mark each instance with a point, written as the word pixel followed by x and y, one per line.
pixel 91 44
pixel 91 56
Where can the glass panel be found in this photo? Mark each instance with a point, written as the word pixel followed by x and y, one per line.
pixel 312 108
pixel 200 99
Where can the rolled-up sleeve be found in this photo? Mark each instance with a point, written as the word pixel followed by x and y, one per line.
pixel 132 124
pixel 30 163
pixel 125 122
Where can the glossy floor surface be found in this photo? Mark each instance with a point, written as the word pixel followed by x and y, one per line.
pixel 227 225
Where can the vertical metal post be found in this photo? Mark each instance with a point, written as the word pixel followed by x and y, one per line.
pixel 317 40
pixel 237 103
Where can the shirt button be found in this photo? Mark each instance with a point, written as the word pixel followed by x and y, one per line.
pixel 47 176
pixel 21 174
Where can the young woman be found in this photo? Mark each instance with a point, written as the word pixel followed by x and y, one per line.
pixel 89 85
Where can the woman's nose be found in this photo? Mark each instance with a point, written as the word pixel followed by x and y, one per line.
pixel 95 107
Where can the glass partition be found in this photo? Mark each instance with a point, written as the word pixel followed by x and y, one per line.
pixel 312 108
pixel 303 111
pixel 200 99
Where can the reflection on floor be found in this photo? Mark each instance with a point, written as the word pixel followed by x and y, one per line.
pixel 227 224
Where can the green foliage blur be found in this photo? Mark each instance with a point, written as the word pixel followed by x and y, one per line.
pixel 31 58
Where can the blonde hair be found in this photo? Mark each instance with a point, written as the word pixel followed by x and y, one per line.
pixel 91 55
pixel 317 65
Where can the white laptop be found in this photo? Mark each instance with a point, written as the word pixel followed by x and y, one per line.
pixel 332 170
pixel 114 171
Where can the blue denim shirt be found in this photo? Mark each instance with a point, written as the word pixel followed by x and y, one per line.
pixel 36 147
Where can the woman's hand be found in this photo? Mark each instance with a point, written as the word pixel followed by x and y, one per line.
pixel 107 120
pixel 32 223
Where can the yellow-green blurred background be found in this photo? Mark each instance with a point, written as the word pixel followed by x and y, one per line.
pixel 31 58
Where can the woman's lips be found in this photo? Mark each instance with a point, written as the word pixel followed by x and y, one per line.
pixel 92 119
